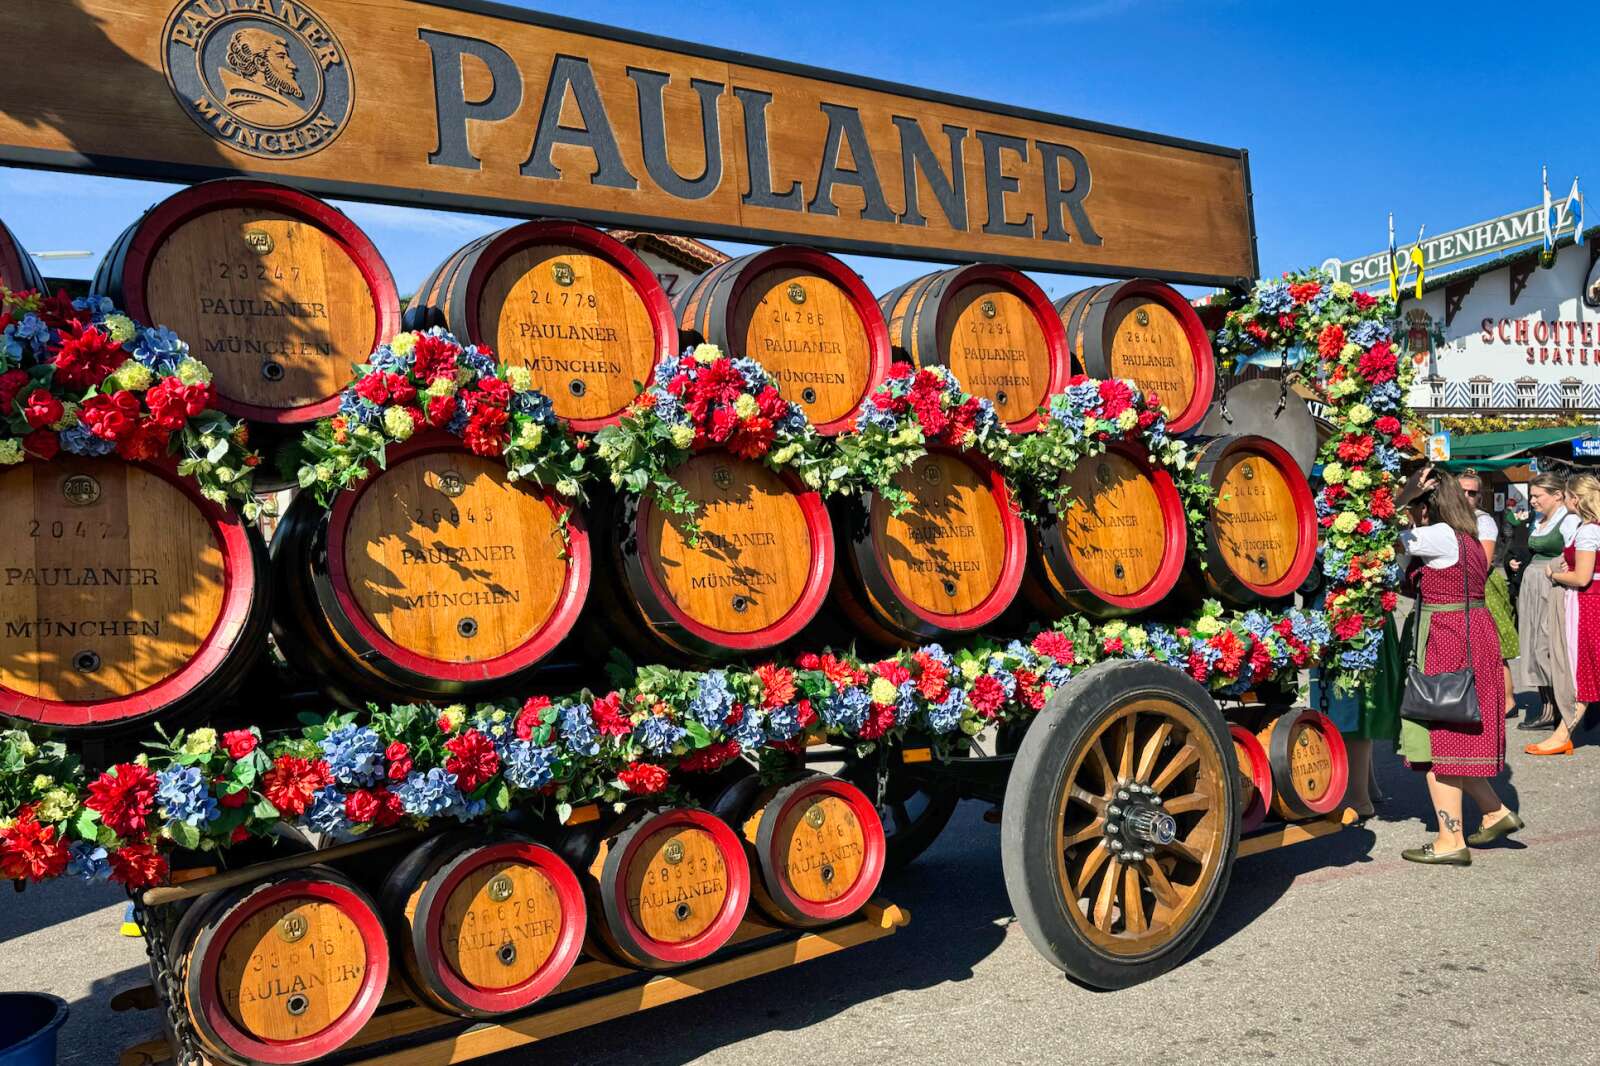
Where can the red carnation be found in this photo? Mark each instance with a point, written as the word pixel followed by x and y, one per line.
pixel 1388 601
pixel 138 865
pixel 710 758
pixel 492 391
pixel 111 417
pixel 31 851
pixel 1330 342
pixel 361 806
pixel 1304 291
pixel 1115 398
pixel 1197 666
pixel 42 444
pixel 805 713
pixel 1382 504
pixel 751 438
pixel 644 779
pixel 441 409
pixel 900 371
pixel 879 720
pixel 771 405
pixel 723 423
pixel 239 742
pixel 172 403
pixel 1363 300
pixel 241 833
pixel 720 382
pixel 486 432
pixel 1364 526
pixel 293 782
pixel 232 800
pixel 777 685
pixel 609 718
pixel 1112 646
pixel 390 809
pixel 40 408
pixel 11 383
pixel 1232 649
pixel 1029 690
pixel 433 357
pixel 892 671
pixel 147 441
pixel 472 759
pixel 1355 447
pixel 933 680
pixel 531 716
pixel 124 796
pixel 399 757
pixel 86 356
pixel 987 695
pixel 1057 646
pixel 1349 626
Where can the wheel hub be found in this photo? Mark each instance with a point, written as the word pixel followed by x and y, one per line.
pixel 1136 823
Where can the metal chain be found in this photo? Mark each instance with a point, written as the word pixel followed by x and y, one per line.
pixel 158 924
pixel 883 776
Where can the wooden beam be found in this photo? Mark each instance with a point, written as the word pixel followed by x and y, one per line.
pixel 1296 833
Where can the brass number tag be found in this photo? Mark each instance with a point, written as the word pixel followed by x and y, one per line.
pixel 260 241
pixel 563 274
pixel 80 490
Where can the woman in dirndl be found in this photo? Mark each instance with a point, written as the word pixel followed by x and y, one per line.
pixel 1581 614
pixel 1447 568
pixel 1542 666
pixel 1497 591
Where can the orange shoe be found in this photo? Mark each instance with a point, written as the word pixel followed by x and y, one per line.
pixel 1536 749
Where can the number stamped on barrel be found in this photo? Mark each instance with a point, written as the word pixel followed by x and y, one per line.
pixel 291 969
pixel 501 924
pixel 825 850
pixel 677 884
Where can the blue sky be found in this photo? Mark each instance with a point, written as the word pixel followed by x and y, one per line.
pixel 1441 113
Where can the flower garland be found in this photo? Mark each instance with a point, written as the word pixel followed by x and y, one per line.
pixel 910 412
pixel 356 772
pixel 705 399
pixel 429 380
pixel 77 376
pixel 1359 376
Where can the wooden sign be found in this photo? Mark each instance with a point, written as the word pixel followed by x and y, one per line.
pixel 451 103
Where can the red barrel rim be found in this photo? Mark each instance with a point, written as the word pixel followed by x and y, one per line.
pixel 1205 377
pixel 278 1052
pixel 818 577
pixel 569 942
pixel 1016 544
pixel 1338 758
pixel 874 843
pixel 861 298
pixel 239 581
pixel 538 231
pixel 1055 334
pixel 15 272
pixel 735 866
pixel 1174 549
pixel 1305 511
pixel 161 220
pixel 563 616
pixel 1260 776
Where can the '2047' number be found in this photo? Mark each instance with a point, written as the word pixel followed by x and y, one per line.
pixel 82 530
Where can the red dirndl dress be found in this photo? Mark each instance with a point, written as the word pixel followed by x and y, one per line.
pixel 1586 656
pixel 1465 751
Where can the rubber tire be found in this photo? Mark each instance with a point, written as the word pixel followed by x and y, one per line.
pixel 1033 800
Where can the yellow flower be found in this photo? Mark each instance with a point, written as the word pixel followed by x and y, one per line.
pixel 26 748
pixel 970 669
pixel 132 374
pixel 682 436
pixel 200 742
pixel 1360 479
pixel 193 372
pixel 1207 626
pixel 42 782
pixel 1137 637
pixel 971 726
pixel 567 486
pixel 398 423
pixel 402 343
pixel 1127 420
pixel 1342 290
pixel 120 328
pixel 452 716
pixel 1334 474
pixel 519 378
pixel 530 435
pixel 1360 414
pixel 57 805
pixel 1344 387
pixel 745 405
pixel 1345 522
pixel 784 455
pixel 707 353
pixel 69 416
pixel 882 690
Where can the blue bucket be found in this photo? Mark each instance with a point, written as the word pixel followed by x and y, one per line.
pixel 29 1025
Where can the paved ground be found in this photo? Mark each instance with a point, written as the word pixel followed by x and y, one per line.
pixel 1333 951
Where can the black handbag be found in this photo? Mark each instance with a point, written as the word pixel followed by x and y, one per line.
pixel 1442 699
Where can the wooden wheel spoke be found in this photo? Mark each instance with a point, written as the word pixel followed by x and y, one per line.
pixel 1088 799
pixel 1092 831
pixel 1102 765
pixel 1106 898
pixel 1151 750
pixel 1091 865
pixel 1160 887
pixel 1133 919
pixel 1194 801
pixel 1125 757
pixel 1181 760
pixel 1186 850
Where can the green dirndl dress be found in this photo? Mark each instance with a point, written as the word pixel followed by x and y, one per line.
pixel 1497 597
pixel 1374 712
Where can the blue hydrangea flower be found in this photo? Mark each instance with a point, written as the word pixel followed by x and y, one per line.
pixel 871 417
pixel 356 409
pixel 88 861
pixel 937 653
pixel 658 734
pixel 1367 333
pixel 534 404
pixel 747 732
pixel 32 328
pixel 160 349
pixel 848 709
pixel 390 361
pixel 475 360
pixel 783 723
pixel 1273 296
pixel 945 716
pixel 79 441
pixel 354 755
pixel 712 701
pixel 1360 658
pixel 905 700
pixel 182 796
pixel 527 765
pixel 429 795
pixel 669 410
pixel 794 421
pixel 1057 675
pixel 326 813
pixel 577 730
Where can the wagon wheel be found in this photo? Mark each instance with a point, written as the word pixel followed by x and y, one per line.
pixel 1120 823
pixel 914 810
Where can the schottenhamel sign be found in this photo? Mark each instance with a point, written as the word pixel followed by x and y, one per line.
pixel 481 106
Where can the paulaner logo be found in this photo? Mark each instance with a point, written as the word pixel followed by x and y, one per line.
pixel 266 77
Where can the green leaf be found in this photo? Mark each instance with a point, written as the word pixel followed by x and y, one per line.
pixel 184 835
pixel 264 811
pixel 500 797
pixel 218 451
pixel 563 812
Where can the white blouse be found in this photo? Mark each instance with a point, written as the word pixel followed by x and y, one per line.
pixel 1587 539
pixel 1487 530
pixel 1437 544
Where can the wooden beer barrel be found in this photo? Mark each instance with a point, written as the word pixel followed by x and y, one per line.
pixel 579 309
pixel 817 845
pixel 274 290
pixel 1148 332
pixel 1255 773
pixel 484 927
pixel 1261 532
pixel 1118 548
pixel 18 271
pixel 127 596
pixel 993 327
pixel 951 564
pixel 757 575
pixel 804 316
pixel 435 577
pixel 669 887
pixel 1310 766
pixel 285 970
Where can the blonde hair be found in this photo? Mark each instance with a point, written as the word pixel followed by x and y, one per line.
pixel 1585 490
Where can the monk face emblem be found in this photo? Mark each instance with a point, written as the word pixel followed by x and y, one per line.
pixel 263 84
